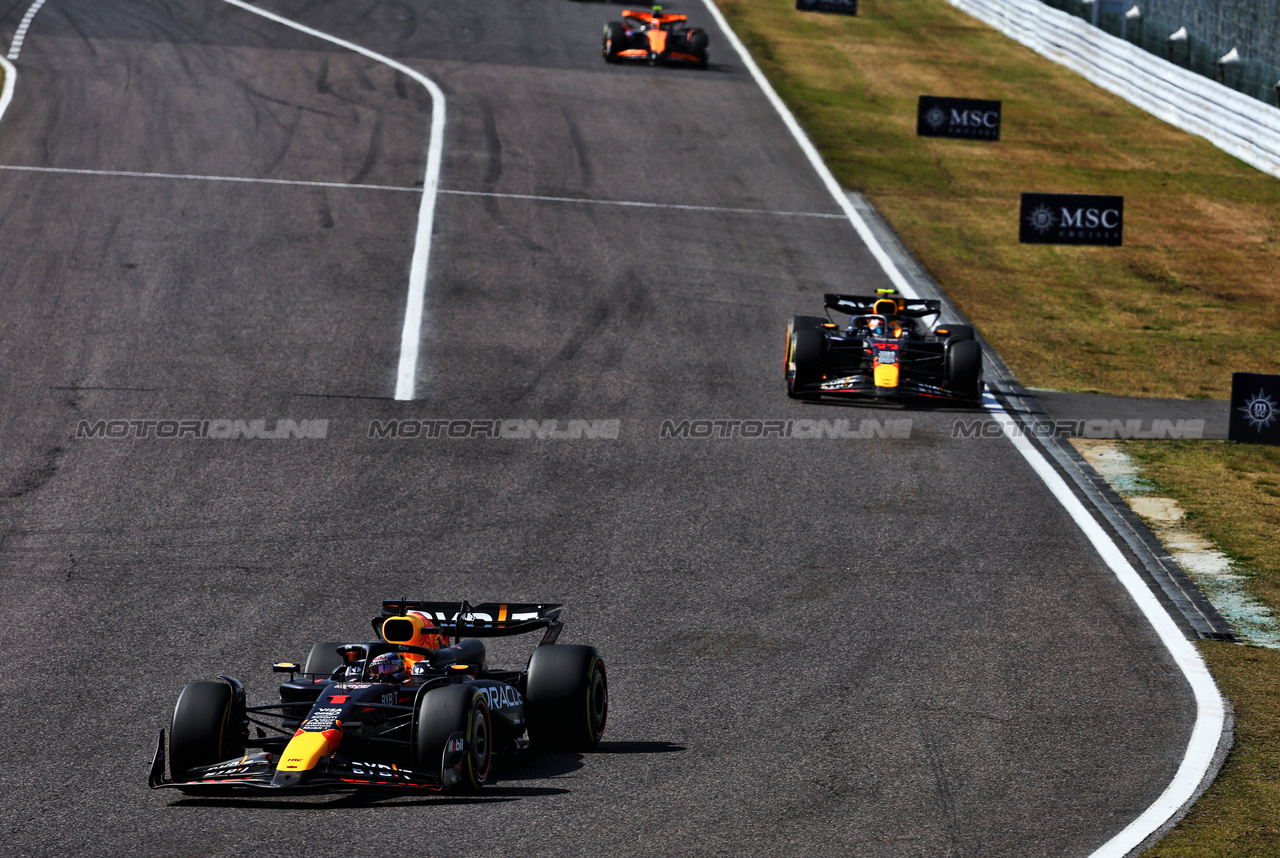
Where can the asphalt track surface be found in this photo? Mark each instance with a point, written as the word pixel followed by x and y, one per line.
pixel 883 647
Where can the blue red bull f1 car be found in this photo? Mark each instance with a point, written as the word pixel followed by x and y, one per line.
pixel 888 347
pixel 410 710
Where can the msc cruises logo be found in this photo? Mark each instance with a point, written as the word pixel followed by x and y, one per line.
pixel 1259 410
pixel 1255 408
pixel 1071 219
pixel 1042 220
pixel 966 118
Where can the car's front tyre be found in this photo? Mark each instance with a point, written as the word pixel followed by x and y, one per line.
pixel 804 364
pixel 205 728
pixel 964 369
pixel 613 40
pixel 449 711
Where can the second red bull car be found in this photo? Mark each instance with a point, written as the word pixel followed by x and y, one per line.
pixel 655 37
pixel 888 347
pixel 408 710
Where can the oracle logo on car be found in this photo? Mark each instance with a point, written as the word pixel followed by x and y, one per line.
pixel 1071 219
pixel 965 118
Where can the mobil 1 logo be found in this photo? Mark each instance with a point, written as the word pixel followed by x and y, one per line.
pixel 843 7
pixel 1071 219
pixel 1255 408
pixel 966 118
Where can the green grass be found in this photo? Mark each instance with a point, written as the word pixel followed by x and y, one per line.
pixel 1228 491
pixel 1191 297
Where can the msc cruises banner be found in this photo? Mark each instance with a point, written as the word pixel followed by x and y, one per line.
pixel 1071 219
pixel 967 118
pixel 1255 408
pixel 844 7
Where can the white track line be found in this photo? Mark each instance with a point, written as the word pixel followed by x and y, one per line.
pixel 411 333
pixel 1210 711
pixel 191 177
pixel 20 35
pixel 631 204
pixel 811 152
pixel 302 183
pixel 10 80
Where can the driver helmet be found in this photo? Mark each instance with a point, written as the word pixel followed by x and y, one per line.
pixel 388 667
pixel 875 325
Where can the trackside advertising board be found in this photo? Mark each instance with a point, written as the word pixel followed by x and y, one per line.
pixel 965 118
pixel 843 7
pixel 1071 219
pixel 1255 408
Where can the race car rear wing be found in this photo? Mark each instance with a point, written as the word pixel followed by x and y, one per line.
pixel 486 620
pixel 854 305
pixel 654 17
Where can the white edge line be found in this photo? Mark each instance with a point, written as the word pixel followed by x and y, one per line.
pixel 811 152
pixel 411 334
pixel 1210 711
pixel 10 81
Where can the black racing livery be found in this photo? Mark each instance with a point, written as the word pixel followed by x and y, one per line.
pixel 888 347
pixel 409 710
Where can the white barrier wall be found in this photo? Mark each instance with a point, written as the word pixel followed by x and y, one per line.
pixel 1242 126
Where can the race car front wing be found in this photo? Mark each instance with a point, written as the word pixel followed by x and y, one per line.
pixel 258 771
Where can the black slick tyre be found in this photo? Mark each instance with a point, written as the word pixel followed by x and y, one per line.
pixel 612 41
pixel 566 701
pixel 204 729
pixel 805 354
pixel 455 709
pixel 323 659
pixel 698 44
pixel 800 323
pixel 964 369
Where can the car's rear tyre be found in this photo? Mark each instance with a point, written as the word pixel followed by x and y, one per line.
pixel 805 354
pixel 566 701
pixel 205 728
pixel 964 369
pixel 323 658
pixel 613 40
pixel 453 709
pixel 955 333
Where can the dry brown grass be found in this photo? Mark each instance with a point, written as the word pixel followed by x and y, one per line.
pixel 1231 493
pixel 1192 296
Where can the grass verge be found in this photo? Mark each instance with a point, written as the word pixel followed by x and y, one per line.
pixel 1190 298
pixel 1192 295
pixel 1231 493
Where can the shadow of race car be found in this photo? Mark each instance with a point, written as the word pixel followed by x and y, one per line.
pixel 408 711
pixel 889 347
pixel 654 37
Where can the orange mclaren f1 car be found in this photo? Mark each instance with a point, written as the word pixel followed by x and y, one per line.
pixel 654 37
